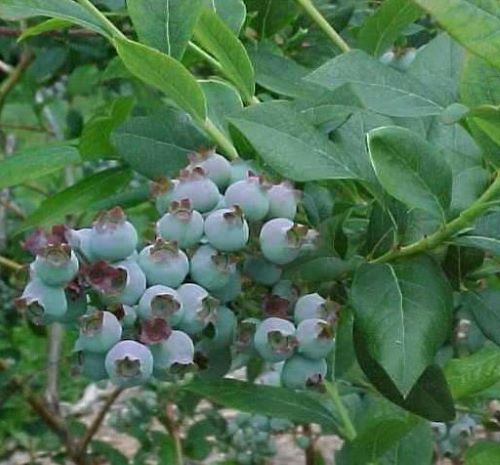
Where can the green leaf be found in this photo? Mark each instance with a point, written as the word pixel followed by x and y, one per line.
pixel 483 453
pixel 62 9
pixel 381 29
pixel 403 311
pixel 415 448
pixel 222 101
pixel 411 170
pixel 282 136
pixel 320 269
pixel 485 308
pixel 165 74
pixel 158 145
pixel 54 24
pixel 485 235
pixel 232 12
pixel 217 38
pixel 95 139
pixel 34 163
pixel 380 88
pixel 78 198
pixel 270 16
pixel 430 397
pixel 473 23
pixel 166 25
pixel 469 375
pixel 299 407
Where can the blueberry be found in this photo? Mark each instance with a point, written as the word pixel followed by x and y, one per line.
pixel 77 306
pixel 221 330
pixel 99 331
pixel 199 308
pixel 79 239
pixel 198 188
pixel 161 302
pixel 314 306
pixel 280 425
pixel 315 338
pixel 216 167
pixel 300 372
pixel 230 291
pixel 176 352
pixel 286 290
pixel 164 263
pixel 280 240
pixel 135 283
pixel 91 365
pixel 251 196
pixel 129 363
pixel 129 316
pixel 56 265
pixel 261 270
pixel 227 229
pixel 112 238
pixel 210 268
pixel 275 339
pixel 163 191
pixel 182 225
pixel 462 430
pixel 241 169
pixel 283 199
pixel 43 304
pixel 245 334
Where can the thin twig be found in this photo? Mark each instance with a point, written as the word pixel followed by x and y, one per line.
pixel 17 127
pixel 96 424
pixel 14 208
pixel 8 263
pixel 169 422
pixel 13 78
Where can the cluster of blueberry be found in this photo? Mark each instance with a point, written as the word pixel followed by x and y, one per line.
pixel 152 312
pixel 250 437
pixel 453 439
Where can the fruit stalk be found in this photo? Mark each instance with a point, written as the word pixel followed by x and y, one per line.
pixel 348 429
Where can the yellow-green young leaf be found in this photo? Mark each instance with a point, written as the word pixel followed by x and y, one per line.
pixel 212 34
pixel 166 25
pixel 32 164
pixel 475 373
pixel 62 9
pixel 473 23
pixel 381 29
pixel 165 74
pixel 54 24
pixel 80 197
pixel 411 170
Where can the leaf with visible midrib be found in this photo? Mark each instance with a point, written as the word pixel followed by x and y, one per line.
pixel 166 25
pixel 411 170
pixel 485 308
pixel 34 163
pixel 165 74
pixel 380 88
pixel 474 23
pixel 62 9
pixel 299 407
pixel 403 312
pixel 381 29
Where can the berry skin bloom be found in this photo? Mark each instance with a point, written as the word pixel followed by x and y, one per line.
pixel 251 196
pixel 56 265
pixel 210 268
pixel 99 331
pixel 315 338
pixel 275 339
pixel 161 302
pixel 129 363
pixel 216 167
pixel 300 372
pixel 176 353
pixel 227 229
pixel 43 304
pixel 283 200
pixel 261 270
pixel 201 191
pixel 280 240
pixel 314 306
pixel 199 308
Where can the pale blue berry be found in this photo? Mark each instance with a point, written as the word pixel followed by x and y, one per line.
pixel 99 331
pixel 315 338
pixel 129 363
pixel 275 339
pixel 201 191
pixel 161 302
pixel 210 268
pixel 227 229
pixel 251 196
pixel 56 265
pixel 300 372
pixel 280 240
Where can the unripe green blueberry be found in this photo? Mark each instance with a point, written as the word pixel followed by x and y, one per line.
pixel 216 167
pixel 77 307
pixel 303 442
pixel 260 422
pixel 230 291
pixel 79 240
pixel 162 192
pixel 221 330
pixel 99 331
pixel 164 263
pixel 176 352
pixel 300 372
pixel 462 430
pixel 261 270
pixel 182 225
pixel 280 240
pixel 56 265
pixel 91 365
pixel 286 290
pixel 135 283
pixel 280 425
pixel 161 302
pixel 129 316
pixel 251 196
pixel 113 238
pixel 314 306
pixel 275 339
pixel 315 338
pixel 199 308
pixel 129 363
pixel 43 304
pixel 201 191
pixel 241 169
pixel 283 200
pixel 227 229
pixel 210 268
